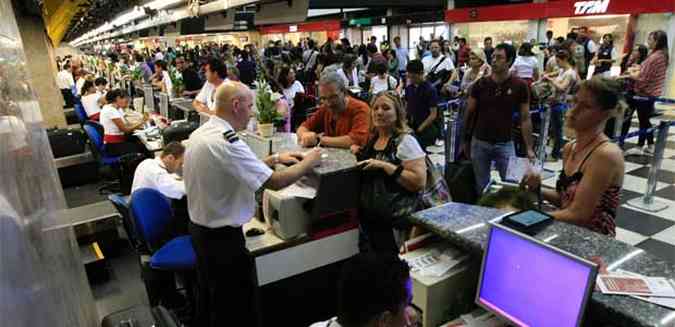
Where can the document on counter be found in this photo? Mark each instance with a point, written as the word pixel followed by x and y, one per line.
pixel 636 285
pixel 662 301
pixel 436 262
pixel 300 189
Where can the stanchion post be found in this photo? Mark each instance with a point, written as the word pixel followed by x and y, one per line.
pixel 451 126
pixel 544 124
pixel 647 202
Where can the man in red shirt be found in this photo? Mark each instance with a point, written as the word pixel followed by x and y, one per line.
pixel 340 122
pixel 463 53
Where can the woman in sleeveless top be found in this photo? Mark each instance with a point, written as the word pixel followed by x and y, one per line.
pixel 588 188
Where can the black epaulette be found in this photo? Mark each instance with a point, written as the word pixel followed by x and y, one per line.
pixel 231 136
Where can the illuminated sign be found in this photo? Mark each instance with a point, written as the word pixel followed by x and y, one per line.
pixel 591 7
pixel 293 28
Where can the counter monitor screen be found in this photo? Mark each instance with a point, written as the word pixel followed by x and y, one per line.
pixel 531 283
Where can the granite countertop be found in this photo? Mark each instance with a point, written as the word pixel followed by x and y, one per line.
pixel 467 226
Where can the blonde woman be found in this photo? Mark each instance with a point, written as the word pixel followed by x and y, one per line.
pixel 394 173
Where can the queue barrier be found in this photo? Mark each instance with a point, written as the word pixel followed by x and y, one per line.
pixel 647 201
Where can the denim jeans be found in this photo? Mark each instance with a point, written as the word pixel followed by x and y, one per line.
pixel 483 154
pixel 557 114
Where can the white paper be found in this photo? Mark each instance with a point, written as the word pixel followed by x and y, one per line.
pixel 518 167
pixel 300 190
pixel 656 286
pixel 662 301
pixel 435 263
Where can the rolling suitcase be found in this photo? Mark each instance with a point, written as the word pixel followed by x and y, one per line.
pixel 66 142
pixel 179 132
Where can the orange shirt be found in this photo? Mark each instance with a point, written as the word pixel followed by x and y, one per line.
pixel 352 122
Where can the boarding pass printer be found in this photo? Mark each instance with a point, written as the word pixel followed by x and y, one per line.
pixel 316 203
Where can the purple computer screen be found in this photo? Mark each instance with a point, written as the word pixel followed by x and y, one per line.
pixel 531 284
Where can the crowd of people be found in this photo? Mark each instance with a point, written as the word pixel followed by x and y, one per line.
pixel 386 108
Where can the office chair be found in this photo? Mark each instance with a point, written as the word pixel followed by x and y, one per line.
pixel 94 132
pixel 152 214
pixel 121 203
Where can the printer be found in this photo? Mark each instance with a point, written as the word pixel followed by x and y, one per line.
pixel 316 205
pixel 286 214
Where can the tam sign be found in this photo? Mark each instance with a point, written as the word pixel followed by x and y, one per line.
pixel 591 7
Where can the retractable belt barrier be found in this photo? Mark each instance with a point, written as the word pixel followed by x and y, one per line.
pixel 647 201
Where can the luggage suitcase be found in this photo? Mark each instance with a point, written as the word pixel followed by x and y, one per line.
pixel 461 181
pixel 140 316
pixel 71 117
pixel 66 142
pixel 179 132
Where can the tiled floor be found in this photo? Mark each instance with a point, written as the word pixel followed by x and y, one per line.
pixel 651 231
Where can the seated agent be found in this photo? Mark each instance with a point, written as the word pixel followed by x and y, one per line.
pixel 374 291
pixel 340 122
pixel 157 173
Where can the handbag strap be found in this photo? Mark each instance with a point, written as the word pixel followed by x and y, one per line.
pixel 433 69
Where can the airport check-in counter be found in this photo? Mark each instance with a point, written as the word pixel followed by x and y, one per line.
pixel 310 228
pixel 466 228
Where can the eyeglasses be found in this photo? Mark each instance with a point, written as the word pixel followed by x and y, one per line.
pixel 329 98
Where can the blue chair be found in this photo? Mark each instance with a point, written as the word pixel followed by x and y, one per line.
pixel 94 132
pixel 152 214
pixel 80 112
pixel 121 203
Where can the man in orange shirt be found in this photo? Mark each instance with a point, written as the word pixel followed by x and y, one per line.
pixel 340 122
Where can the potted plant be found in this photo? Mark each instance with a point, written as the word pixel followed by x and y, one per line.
pixel 267 114
pixel 176 81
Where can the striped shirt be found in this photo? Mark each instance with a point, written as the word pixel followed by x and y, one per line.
pixel 652 75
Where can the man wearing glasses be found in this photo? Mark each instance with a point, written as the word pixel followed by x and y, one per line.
pixel 488 121
pixel 341 121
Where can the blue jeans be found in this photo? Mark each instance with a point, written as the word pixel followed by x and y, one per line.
pixel 483 154
pixel 557 114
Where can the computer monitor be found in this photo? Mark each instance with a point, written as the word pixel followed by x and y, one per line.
pixel 531 283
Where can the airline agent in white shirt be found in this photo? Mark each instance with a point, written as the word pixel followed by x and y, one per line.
pixel 160 173
pixel 216 73
pixel 221 177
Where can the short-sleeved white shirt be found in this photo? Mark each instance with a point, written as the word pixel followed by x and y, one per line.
pixel 380 84
pixel 168 84
pixel 90 103
pixel 108 113
pixel 151 173
pixel 430 62
pixel 291 91
pixel 524 66
pixel 207 96
pixel 409 149
pixel 221 176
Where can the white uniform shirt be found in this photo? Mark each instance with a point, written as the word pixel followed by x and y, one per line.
pixel 108 113
pixel 430 62
pixel 151 173
pixel 221 176
pixel 207 96
pixel 64 79
pixel 90 103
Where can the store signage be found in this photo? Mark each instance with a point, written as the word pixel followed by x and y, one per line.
pixel 293 28
pixel 591 7
pixel 360 22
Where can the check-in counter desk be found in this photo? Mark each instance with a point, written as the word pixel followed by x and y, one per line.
pixel 467 226
pixel 297 274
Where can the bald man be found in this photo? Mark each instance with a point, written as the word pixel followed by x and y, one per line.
pixel 221 177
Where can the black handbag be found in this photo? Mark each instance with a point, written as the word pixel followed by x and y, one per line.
pixel 381 195
pixel 461 181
